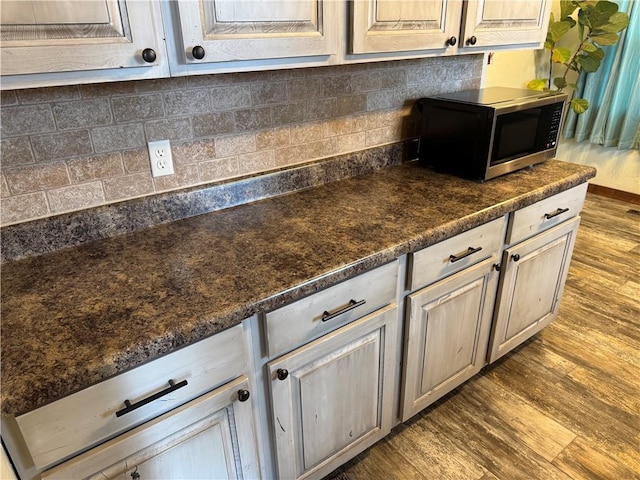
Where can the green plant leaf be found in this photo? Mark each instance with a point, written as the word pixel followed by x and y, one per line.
pixel 572 85
pixel 597 54
pixel 549 44
pixel 600 15
pixel 557 30
pixel 537 84
pixel 579 105
pixel 567 7
pixel 588 64
pixel 589 47
pixel 617 22
pixel 560 55
pixel 560 83
pixel 606 8
pixel 605 39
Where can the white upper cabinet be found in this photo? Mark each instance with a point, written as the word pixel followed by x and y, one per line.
pixel 446 26
pixel 491 23
pixel 67 41
pixel 404 25
pixel 213 31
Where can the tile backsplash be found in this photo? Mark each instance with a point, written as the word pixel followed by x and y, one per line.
pixel 74 147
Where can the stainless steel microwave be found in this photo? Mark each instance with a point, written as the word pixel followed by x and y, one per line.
pixel 481 134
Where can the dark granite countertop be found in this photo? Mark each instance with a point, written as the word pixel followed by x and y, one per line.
pixel 77 316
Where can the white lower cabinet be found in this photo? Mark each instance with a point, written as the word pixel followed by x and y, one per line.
pixel 332 398
pixel 212 436
pixel 531 286
pixel 447 334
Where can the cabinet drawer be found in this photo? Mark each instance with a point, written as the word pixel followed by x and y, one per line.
pixel 545 214
pixel 454 254
pixel 293 325
pixel 86 418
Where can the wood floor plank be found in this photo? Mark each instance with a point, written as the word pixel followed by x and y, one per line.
pixel 539 432
pixel 579 376
pixel 581 461
pixel 482 437
pixel 605 426
pixel 420 443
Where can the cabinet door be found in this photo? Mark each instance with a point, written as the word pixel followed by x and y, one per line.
pixel 489 23
pixel 254 29
pixel 403 25
pixel 210 437
pixel 533 277
pixel 66 35
pixel 332 398
pixel 447 334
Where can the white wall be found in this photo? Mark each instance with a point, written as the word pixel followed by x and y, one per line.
pixel 619 170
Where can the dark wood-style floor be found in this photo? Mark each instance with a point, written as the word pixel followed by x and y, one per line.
pixel 564 405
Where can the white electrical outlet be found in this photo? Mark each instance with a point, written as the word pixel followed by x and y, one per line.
pixel 161 158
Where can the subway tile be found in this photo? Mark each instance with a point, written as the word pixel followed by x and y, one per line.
pixel 256 162
pixel 194 152
pixel 368 81
pixel 393 79
pixel 82 114
pixel 187 102
pixel 4 188
pixel 136 161
pixel 57 146
pixel 37 177
pixel 385 118
pixel 15 152
pixel 253 119
pixel 156 84
pixel 333 86
pixel 386 99
pixel 137 107
pixel 290 113
pixel 235 145
pixel 345 125
pixel 168 129
pixel 305 152
pixel 269 93
pixel 200 81
pixel 95 167
pixel 184 176
pixel 128 186
pixel 213 124
pixel 97 90
pixel 273 137
pixel 21 208
pixel 320 109
pixel 381 136
pixel 351 104
pixel 118 137
pixel 219 169
pixel 307 132
pixel 48 94
pixel 251 77
pixel 351 142
pixel 230 97
pixel 306 88
pixel 75 197
pixel 8 97
pixel 26 120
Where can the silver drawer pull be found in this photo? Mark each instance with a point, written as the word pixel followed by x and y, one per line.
pixel 559 211
pixel 326 316
pixel 130 407
pixel 470 251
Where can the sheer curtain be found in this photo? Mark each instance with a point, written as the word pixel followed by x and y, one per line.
pixel 613 92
